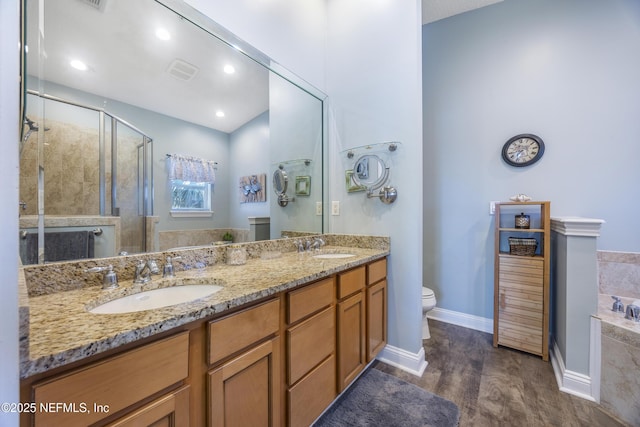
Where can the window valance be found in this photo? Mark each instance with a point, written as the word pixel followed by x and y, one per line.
pixel 189 168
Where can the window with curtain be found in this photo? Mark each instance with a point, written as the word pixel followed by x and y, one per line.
pixel 191 181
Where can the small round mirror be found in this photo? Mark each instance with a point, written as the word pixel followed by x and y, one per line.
pixel 370 171
pixel 280 181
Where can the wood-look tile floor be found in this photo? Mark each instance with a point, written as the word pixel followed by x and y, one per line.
pixel 497 386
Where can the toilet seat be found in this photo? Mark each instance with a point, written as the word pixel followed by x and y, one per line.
pixel 427 293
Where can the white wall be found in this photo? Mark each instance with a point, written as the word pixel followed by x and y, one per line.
pixel 366 56
pixel 9 123
pixel 374 87
pixel 290 32
pixel 566 71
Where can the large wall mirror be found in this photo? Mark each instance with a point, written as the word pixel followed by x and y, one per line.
pixel 148 127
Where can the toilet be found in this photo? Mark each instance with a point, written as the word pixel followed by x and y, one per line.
pixel 428 303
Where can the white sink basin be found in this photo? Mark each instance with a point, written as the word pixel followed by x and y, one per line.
pixel 333 256
pixel 156 298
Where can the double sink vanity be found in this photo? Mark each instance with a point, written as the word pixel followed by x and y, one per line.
pixel 270 342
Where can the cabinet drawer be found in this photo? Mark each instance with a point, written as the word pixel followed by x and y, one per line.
pixel 239 330
pixel 310 342
pixel 314 393
pixel 351 282
pixel 308 300
pixel 117 382
pixel 376 271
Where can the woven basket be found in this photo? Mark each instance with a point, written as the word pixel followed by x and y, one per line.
pixel 522 246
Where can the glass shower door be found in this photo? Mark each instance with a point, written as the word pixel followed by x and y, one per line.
pixel 130 188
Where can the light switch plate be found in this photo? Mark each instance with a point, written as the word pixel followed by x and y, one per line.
pixel 492 207
pixel 335 207
pixel 318 208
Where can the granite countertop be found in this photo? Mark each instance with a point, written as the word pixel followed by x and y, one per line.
pixel 61 330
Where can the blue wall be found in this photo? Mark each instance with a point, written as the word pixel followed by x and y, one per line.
pixel 568 71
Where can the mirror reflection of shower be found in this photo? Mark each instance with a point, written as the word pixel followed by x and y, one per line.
pixel 32 127
pixel 91 164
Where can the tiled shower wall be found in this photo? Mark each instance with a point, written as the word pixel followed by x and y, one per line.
pixel 71 176
pixel 70 171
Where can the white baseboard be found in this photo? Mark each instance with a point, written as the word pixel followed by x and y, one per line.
pixel 570 382
pixel 470 321
pixel 413 363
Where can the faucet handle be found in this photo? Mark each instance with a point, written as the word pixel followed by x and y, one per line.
pixel 109 280
pixel 167 270
pixel 618 307
pixel 153 266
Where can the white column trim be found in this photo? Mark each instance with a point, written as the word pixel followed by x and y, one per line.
pixel 570 382
pixel 414 363
pixel 577 226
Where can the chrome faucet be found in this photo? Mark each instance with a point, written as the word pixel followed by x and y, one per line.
pixel 109 280
pixel 153 266
pixel 142 273
pixel 633 313
pixel 317 243
pixel 299 245
pixel 308 245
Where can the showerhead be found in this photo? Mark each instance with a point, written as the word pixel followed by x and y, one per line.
pixel 33 126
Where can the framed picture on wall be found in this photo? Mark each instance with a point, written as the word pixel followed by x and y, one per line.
pixel 252 188
pixel 303 185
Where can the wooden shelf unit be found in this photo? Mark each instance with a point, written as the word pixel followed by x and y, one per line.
pixel 521 282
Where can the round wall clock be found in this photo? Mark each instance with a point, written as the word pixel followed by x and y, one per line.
pixel 523 150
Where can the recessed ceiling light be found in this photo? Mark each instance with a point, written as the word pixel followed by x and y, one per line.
pixel 219 113
pixel 163 34
pixel 78 65
pixel 229 69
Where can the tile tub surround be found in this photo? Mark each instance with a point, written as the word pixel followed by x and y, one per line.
pixel 619 273
pixel 59 330
pixel 620 371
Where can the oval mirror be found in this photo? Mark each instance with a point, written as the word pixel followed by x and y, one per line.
pixel 370 171
pixel 280 181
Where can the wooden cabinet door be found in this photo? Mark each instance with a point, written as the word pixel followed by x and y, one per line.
pixel 245 391
pixel 168 411
pixel 351 339
pixel 376 318
pixel 520 311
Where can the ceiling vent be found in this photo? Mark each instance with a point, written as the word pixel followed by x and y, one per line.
pixel 182 70
pixel 96 4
